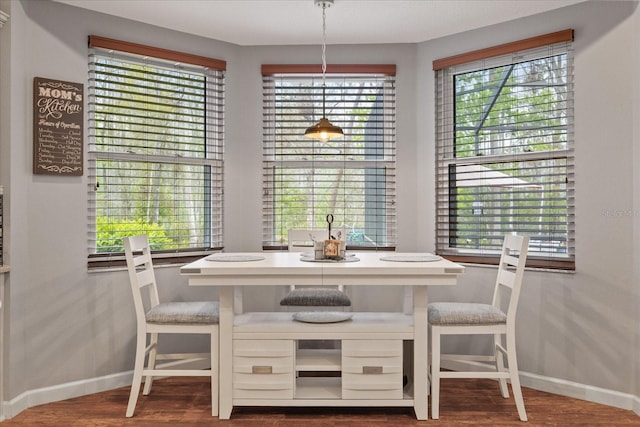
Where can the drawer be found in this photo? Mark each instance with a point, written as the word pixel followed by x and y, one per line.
pixel 372 369
pixel 263 369
pixel 372 348
pixel 263 348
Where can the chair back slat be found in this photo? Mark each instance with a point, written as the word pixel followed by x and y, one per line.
pixel 141 275
pixel 510 260
pixel 510 273
pixel 145 278
pixel 506 278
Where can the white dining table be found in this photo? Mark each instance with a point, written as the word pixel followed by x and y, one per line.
pixel 229 272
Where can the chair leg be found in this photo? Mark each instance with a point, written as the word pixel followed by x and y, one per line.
pixel 153 351
pixel 215 369
pixel 435 372
pixel 514 376
pixel 504 390
pixel 137 373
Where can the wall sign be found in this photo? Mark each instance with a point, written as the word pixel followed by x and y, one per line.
pixel 57 127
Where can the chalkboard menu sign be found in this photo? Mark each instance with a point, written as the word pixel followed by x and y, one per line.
pixel 57 127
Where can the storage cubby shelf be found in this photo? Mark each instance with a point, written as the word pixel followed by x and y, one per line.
pixel 318 360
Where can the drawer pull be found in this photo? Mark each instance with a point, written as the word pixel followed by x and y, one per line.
pixel 372 370
pixel 261 369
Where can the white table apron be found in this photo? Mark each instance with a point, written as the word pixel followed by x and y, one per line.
pixel 284 268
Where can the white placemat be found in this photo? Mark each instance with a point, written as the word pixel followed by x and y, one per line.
pixel 234 258
pixel 322 316
pixel 411 258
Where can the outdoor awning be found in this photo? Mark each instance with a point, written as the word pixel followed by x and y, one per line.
pixel 482 176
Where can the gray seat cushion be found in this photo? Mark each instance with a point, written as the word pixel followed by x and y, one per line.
pixel 185 313
pixel 454 313
pixel 317 297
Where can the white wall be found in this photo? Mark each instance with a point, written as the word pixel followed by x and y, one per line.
pixel 66 325
pixel 576 327
pixel 636 208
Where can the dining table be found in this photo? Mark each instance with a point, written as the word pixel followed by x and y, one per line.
pixel 411 272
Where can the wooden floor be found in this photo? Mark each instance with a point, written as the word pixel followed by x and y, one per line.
pixel 186 402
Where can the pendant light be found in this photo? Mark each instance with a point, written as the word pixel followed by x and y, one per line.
pixel 324 130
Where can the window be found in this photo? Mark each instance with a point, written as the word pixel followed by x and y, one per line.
pixel 155 150
pixel 504 151
pixel 352 177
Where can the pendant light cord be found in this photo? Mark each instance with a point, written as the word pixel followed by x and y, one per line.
pixel 324 57
pixel 324 40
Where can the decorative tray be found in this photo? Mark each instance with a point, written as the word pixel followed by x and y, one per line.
pixel 322 316
pixel 346 259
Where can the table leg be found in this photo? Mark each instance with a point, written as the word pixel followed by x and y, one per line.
pixel 420 353
pixel 226 295
pixel 237 300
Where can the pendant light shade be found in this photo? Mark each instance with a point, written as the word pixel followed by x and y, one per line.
pixel 324 130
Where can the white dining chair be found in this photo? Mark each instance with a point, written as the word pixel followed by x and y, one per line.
pixel 497 319
pixel 314 298
pixel 154 317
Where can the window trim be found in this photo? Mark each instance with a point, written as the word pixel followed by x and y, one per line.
pixel 156 52
pixel 504 49
pixel 109 260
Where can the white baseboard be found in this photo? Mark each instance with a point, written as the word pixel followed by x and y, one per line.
pixel 65 391
pixel 579 391
pixel 566 388
pixel 72 389
pixel 537 382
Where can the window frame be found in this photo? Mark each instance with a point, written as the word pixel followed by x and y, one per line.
pixel 445 71
pixel 212 160
pixel 272 240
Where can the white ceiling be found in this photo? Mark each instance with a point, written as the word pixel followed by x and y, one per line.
pixel 290 22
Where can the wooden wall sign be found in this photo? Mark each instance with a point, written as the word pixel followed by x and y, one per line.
pixel 57 127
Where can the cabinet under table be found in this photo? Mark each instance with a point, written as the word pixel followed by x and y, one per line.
pixel 364 369
pixel 286 268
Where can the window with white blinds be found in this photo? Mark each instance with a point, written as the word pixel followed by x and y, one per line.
pixel 353 177
pixel 155 151
pixel 505 163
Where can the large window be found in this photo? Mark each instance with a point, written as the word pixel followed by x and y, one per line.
pixel 155 150
pixel 505 151
pixel 352 177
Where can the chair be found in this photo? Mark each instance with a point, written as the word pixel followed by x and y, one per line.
pixel 472 318
pixel 167 317
pixel 313 297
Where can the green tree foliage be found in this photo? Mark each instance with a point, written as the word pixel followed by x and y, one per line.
pixel 153 166
pixel 109 234
pixel 503 115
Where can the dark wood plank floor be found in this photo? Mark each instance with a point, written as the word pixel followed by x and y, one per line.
pixel 186 402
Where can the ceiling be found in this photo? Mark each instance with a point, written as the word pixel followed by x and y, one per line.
pixel 296 22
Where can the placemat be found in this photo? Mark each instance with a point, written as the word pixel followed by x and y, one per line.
pixel 234 258
pixel 411 258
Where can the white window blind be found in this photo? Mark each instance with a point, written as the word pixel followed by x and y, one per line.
pixel 352 178
pixel 505 160
pixel 155 154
